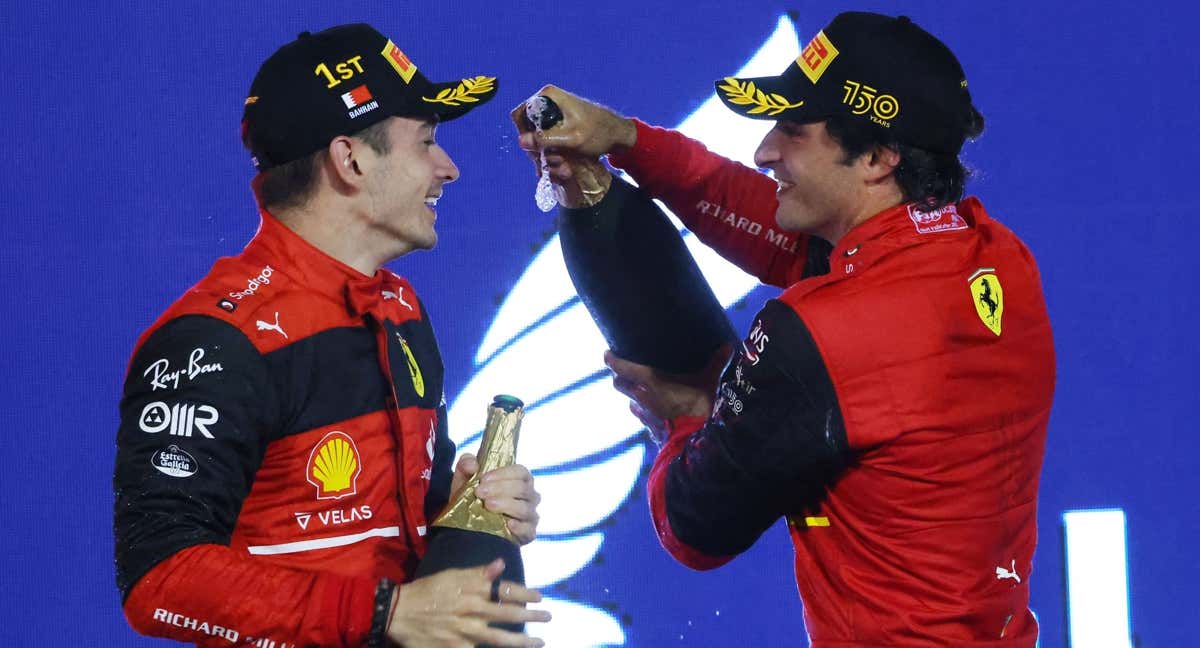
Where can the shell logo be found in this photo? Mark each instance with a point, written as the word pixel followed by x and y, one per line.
pixel 334 466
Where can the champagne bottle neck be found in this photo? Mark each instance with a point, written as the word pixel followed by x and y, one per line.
pixel 499 446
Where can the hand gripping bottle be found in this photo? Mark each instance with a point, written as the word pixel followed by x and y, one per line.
pixel 468 535
pixel 630 265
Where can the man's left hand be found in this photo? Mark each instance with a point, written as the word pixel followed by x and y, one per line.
pixel 508 491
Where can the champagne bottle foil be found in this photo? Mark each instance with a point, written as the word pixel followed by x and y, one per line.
pixel 497 450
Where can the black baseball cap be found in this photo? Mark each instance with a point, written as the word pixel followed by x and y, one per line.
pixel 338 82
pixel 879 68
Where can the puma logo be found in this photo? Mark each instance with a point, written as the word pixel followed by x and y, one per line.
pixel 1002 573
pixel 398 296
pixel 263 326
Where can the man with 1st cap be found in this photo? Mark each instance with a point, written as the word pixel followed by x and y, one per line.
pixel 892 402
pixel 283 442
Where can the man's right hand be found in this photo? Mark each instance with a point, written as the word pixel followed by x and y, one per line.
pixel 587 129
pixel 454 607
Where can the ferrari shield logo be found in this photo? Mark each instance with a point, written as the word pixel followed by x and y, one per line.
pixel 414 370
pixel 988 296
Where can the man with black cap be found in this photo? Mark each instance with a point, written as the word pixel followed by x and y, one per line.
pixel 892 402
pixel 283 442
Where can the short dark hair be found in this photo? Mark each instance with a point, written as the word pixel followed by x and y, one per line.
pixel 932 180
pixel 291 184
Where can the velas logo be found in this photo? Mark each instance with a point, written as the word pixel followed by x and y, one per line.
pixel 399 61
pixel 334 466
pixel 357 96
pixel 335 517
pixel 988 295
pixel 816 57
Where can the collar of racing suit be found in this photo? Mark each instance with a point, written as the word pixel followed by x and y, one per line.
pixel 899 227
pixel 363 294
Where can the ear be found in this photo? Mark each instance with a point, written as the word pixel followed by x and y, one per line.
pixel 880 163
pixel 343 161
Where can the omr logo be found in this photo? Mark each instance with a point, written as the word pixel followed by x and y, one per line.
pixel 334 466
pixel 181 418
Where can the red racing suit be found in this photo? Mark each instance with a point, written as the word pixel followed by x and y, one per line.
pixel 282 445
pixel 893 409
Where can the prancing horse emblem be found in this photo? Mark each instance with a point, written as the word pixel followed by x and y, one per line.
pixel 988 296
pixel 414 370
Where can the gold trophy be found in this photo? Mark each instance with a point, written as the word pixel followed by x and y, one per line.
pixel 468 535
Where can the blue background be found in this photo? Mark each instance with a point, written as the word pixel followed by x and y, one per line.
pixel 124 178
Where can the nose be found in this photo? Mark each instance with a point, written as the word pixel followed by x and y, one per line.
pixel 767 152
pixel 446 169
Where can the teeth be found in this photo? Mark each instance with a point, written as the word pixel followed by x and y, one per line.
pixel 783 186
pixel 432 201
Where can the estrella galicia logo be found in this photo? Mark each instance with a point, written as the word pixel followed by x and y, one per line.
pixel 174 462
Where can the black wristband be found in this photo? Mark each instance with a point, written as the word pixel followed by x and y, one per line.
pixel 379 619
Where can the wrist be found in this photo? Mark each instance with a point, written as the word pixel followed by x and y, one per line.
pixel 381 617
pixel 625 135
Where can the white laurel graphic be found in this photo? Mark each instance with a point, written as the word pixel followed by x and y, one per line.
pixel 578 436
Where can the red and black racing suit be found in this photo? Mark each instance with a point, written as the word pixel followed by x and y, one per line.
pixel 893 408
pixel 282 444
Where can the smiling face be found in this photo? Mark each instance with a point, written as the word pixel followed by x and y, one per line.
pixel 406 182
pixel 818 192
